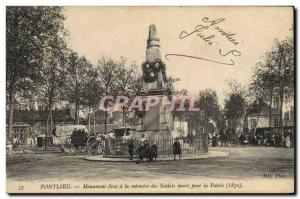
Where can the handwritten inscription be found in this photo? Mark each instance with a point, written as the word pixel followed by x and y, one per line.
pixel 209 39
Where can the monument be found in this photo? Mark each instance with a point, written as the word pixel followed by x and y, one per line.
pixel 158 120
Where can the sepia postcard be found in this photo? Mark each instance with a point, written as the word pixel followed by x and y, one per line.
pixel 150 100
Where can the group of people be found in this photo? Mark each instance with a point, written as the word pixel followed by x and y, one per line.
pixel 148 151
pixel 145 151
pixel 225 138
pixel 269 139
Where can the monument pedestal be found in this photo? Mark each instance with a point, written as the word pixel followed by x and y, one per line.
pixel 157 122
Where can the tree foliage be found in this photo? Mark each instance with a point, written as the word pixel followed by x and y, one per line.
pixel 274 75
pixel 170 83
pixel 209 106
pixel 234 106
pixel 31 32
pixel 79 72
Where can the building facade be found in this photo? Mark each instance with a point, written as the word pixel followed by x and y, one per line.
pixel 261 117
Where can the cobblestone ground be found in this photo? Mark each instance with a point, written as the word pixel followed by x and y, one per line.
pixel 248 162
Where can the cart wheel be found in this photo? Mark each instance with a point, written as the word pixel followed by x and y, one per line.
pixel 82 149
pixel 67 146
pixel 69 149
pixel 92 145
pixel 73 149
pixel 101 149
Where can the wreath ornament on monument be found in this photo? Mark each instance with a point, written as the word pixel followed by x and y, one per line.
pixel 151 70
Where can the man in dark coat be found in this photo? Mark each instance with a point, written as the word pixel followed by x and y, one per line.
pixel 177 149
pixel 154 150
pixel 146 150
pixel 130 149
pixel 151 152
pixel 214 141
pixel 242 139
pixel 140 152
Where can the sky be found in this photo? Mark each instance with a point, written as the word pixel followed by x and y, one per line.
pixel 122 31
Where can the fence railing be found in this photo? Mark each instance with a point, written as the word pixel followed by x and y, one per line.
pixel 119 148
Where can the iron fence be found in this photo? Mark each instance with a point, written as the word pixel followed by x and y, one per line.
pixel 119 148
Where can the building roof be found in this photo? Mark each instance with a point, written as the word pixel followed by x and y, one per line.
pixel 260 107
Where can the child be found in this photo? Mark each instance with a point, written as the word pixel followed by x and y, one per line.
pixel 140 152
pixel 154 150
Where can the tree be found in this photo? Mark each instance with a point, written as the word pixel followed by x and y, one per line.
pixel 52 76
pixel 127 83
pixel 107 70
pixel 234 86
pixel 30 31
pixel 136 87
pixel 263 87
pixel 48 86
pixel 182 94
pixel 275 74
pixel 78 72
pixel 170 84
pixel 235 104
pixel 91 96
pixel 138 83
pixel 234 109
pixel 209 110
pixel 209 106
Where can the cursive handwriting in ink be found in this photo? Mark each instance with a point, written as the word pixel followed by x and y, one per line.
pixel 200 31
pixel 232 52
pixel 198 28
pixel 207 39
pixel 228 35
pixel 200 58
pixel 212 22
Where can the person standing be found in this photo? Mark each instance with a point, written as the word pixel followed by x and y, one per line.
pixel 140 152
pixel 242 139
pixel 150 154
pixel 287 142
pixel 177 149
pixel 146 150
pixel 154 150
pixel 214 141
pixel 130 149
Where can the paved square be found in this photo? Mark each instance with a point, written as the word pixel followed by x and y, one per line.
pixel 242 163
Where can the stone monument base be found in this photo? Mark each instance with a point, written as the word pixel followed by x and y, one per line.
pixel 157 122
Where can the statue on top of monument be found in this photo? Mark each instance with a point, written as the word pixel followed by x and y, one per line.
pixel 154 70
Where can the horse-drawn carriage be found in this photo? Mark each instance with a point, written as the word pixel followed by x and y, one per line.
pixel 80 141
pixel 76 139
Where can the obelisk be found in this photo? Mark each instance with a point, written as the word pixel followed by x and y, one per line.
pixel 157 122
pixel 154 71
